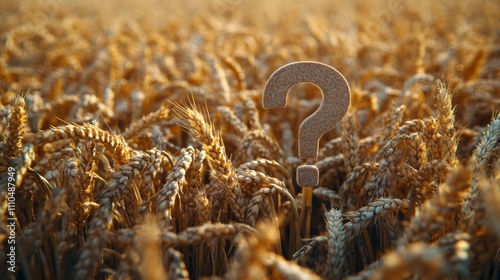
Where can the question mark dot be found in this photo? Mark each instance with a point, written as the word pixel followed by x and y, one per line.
pixel 307 176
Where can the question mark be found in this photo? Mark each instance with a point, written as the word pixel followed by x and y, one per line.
pixel 334 105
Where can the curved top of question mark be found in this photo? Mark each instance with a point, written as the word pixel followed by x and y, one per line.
pixel 335 103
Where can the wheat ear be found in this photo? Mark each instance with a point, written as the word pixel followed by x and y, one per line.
pixel 336 235
pixel 350 143
pixel 434 212
pixel 366 215
pixel 164 200
pixel 12 141
pixel 446 125
pixel 146 122
pixel 479 162
pixel 238 72
pixel 418 258
pixel 223 174
pixel 203 233
pixel 115 143
pixel 98 228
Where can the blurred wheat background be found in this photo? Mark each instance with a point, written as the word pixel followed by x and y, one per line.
pixel 141 149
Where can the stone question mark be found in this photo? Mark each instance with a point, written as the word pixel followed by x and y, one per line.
pixel 334 105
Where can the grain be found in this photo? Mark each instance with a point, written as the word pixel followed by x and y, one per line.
pixel 360 219
pixel 116 144
pixel 336 244
pixel 12 141
pixel 350 148
pixel 434 212
pixel 165 198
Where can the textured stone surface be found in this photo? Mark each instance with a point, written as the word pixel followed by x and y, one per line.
pixel 336 99
pixel 307 176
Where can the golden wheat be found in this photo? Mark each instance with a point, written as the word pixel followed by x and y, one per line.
pixel 135 146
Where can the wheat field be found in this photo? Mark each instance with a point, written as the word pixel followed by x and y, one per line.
pixel 134 145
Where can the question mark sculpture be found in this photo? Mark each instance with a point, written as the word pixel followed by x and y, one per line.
pixel 335 103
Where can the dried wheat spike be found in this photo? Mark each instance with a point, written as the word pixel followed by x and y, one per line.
pixel 71 179
pixel 86 154
pixel 51 161
pixel 329 195
pixel 350 142
pixel 366 215
pixel 303 254
pixel 393 166
pixel 354 182
pixel 46 222
pixel 431 137
pixel 333 145
pixel 146 122
pixel 417 258
pixel 200 207
pixel 255 204
pixel 12 140
pixel 420 77
pixel 391 124
pixel 222 87
pixel 479 212
pixel 336 235
pixel 413 126
pixel 434 212
pixel 115 143
pixel 426 180
pixel 262 163
pixel 129 262
pixel 245 172
pixel 178 269
pixel 20 164
pixel 332 162
pixel 222 174
pixel 238 72
pixel 164 200
pixel 261 180
pixel 268 211
pixel 98 229
pixel 251 112
pixel 203 233
pixel 448 139
pixel 415 175
pixel 486 150
pixel 235 123
pixel 159 163
pixel 248 150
